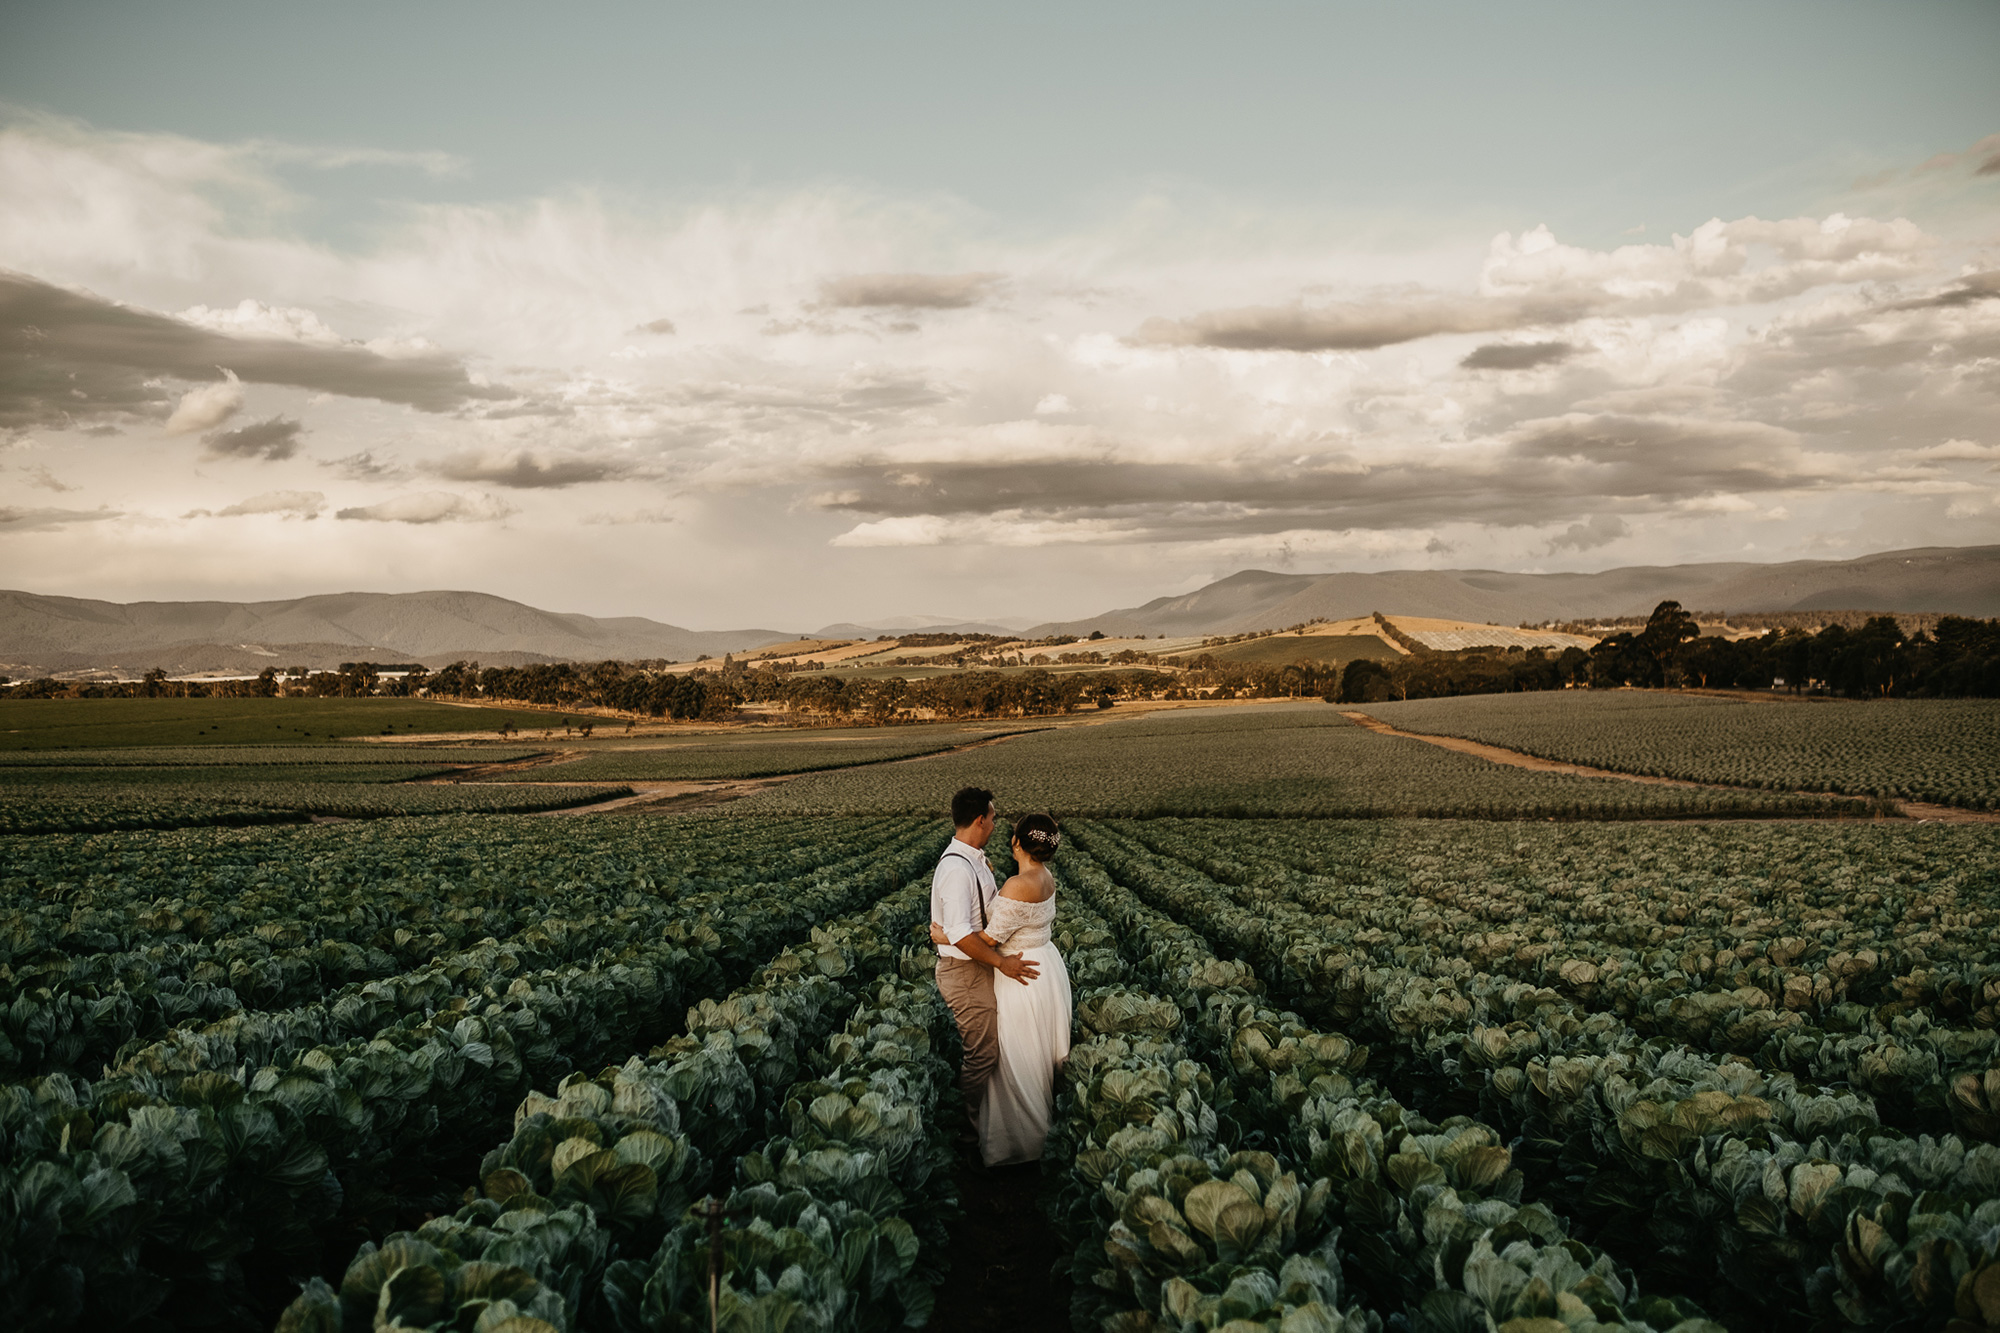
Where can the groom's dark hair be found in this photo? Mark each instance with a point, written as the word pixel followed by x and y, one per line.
pixel 969 805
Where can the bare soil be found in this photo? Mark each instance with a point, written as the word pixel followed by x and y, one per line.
pixel 1917 810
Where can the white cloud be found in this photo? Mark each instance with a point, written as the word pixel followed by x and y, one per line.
pixel 207 405
pixel 1954 451
pixel 432 507
pixel 287 504
pixel 1503 398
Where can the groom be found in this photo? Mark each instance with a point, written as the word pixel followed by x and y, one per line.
pixel 962 894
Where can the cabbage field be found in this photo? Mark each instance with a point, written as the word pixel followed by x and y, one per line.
pixel 1370 1036
pixel 1941 750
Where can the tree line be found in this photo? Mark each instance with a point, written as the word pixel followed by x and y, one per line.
pixel 1959 658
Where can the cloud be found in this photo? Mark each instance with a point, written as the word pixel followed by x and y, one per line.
pixel 522 470
pixel 432 507
pixel 1973 288
pixel 14 519
pixel 365 466
pixel 664 327
pixel 1360 326
pixel 1536 281
pixel 43 479
pixel 1601 530
pixel 629 516
pixel 1955 451
pixel 925 291
pixel 1054 404
pixel 1543 471
pixel 71 357
pixel 1982 159
pixel 288 504
pixel 270 440
pixel 1517 356
pixel 207 405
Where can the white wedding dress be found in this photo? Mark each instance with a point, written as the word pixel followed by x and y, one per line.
pixel 1034 1035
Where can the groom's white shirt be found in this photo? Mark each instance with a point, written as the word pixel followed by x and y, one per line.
pixel 962 894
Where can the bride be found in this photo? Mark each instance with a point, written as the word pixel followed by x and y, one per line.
pixel 1033 1016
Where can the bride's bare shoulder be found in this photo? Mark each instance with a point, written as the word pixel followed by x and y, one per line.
pixel 1023 889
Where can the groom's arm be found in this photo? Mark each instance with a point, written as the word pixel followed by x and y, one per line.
pixel 1014 965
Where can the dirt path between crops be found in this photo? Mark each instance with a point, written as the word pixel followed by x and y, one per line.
pixel 661 798
pixel 1918 810
pixel 1003 1254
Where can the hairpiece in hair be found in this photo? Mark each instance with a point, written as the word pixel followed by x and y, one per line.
pixel 1042 840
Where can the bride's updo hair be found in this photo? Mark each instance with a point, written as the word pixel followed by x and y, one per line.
pixel 1039 836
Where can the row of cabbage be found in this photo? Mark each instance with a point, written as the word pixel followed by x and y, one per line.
pixel 425 757
pixel 192 798
pixel 1943 750
pixel 1276 761
pixel 116 941
pixel 756 756
pixel 805 1105
pixel 1785 1201
pixel 1741 937
pixel 1223 1168
pixel 196 1186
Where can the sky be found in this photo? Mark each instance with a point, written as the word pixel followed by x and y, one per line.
pixel 790 314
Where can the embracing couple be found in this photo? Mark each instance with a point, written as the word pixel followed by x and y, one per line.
pixel 1002 976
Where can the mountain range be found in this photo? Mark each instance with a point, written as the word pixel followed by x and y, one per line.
pixel 43 634
pixel 1961 580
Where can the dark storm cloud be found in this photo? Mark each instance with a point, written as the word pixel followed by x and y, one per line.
pixel 1356 327
pixel 1545 472
pixel 69 357
pixel 269 440
pixel 524 471
pixel 1517 356
pixel 925 291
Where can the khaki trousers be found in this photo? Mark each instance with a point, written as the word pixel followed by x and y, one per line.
pixel 968 988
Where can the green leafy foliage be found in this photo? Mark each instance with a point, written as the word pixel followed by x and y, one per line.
pixel 1943 750
pixel 1269 761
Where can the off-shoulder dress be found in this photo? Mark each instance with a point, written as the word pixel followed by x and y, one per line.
pixel 1034 1023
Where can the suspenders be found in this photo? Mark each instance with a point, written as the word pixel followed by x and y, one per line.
pixel 978 898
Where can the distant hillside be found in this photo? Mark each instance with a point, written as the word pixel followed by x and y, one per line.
pixel 47 634
pixel 1957 580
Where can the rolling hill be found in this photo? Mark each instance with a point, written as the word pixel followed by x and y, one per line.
pixel 1958 580
pixel 47 634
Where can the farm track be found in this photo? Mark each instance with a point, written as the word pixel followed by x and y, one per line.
pixel 669 798
pixel 1916 810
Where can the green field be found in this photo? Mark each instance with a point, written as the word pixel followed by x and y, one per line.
pixel 47 724
pixel 1262 761
pixel 1590 1055
pixel 752 755
pixel 1944 750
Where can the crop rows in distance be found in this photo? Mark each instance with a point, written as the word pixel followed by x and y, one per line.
pixel 103 800
pixel 215 1165
pixel 255 756
pixel 747 758
pixel 1291 760
pixel 1941 750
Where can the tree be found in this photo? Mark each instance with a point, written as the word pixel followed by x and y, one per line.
pixel 1666 630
